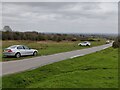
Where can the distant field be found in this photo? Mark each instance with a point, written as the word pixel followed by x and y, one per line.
pixel 97 70
pixel 48 47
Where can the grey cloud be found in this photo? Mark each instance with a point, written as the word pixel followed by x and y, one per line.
pixel 52 15
pixel 87 9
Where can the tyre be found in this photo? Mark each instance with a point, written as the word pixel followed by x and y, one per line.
pixel 87 45
pixel 35 53
pixel 17 55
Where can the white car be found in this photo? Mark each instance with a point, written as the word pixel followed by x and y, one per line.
pixel 19 50
pixel 107 42
pixel 85 43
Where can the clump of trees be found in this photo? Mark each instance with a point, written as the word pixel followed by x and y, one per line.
pixel 116 43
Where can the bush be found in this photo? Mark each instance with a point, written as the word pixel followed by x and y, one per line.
pixel 74 39
pixel 116 43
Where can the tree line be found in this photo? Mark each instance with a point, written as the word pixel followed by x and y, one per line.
pixel 35 36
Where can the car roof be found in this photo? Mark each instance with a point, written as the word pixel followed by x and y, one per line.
pixel 10 47
pixel 17 45
pixel 85 41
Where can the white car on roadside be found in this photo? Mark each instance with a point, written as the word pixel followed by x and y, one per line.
pixel 19 50
pixel 107 42
pixel 85 43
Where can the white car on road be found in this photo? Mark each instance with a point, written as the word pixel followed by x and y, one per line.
pixel 19 50
pixel 85 43
pixel 107 42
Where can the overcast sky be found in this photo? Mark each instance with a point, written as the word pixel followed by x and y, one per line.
pixel 61 17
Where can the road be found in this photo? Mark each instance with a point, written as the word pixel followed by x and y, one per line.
pixel 32 63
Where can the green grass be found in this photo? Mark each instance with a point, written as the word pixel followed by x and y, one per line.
pixel 96 70
pixel 47 47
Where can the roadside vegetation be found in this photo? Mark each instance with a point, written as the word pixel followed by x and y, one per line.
pixel 47 47
pixel 116 43
pixel 96 70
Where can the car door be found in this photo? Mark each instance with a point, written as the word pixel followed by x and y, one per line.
pixel 28 51
pixel 21 50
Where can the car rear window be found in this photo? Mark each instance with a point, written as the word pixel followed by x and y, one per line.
pixel 12 47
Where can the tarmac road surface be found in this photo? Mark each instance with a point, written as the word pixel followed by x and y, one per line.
pixel 10 67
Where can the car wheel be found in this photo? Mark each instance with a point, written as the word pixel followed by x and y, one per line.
pixel 17 55
pixel 87 45
pixel 35 53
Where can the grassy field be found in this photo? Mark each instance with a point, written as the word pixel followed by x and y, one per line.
pixel 97 70
pixel 47 47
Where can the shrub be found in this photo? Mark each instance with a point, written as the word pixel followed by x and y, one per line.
pixel 116 43
pixel 74 39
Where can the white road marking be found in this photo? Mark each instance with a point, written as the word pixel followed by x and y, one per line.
pixel 77 56
pixel 105 47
